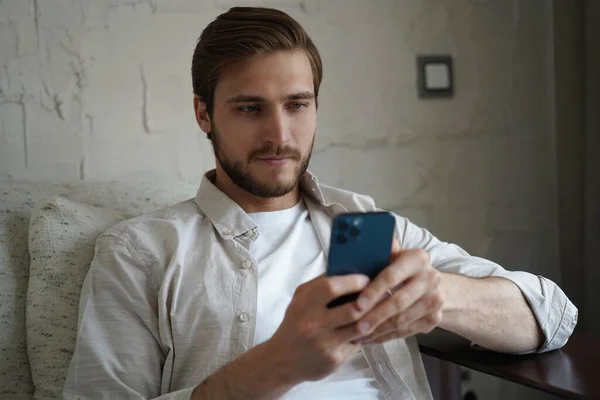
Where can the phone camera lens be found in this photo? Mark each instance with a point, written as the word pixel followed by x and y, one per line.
pixel 343 226
pixel 342 238
pixel 354 231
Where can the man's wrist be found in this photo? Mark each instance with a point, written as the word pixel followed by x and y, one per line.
pixel 260 373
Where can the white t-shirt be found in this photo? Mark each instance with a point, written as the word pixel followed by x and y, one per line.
pixel 289 253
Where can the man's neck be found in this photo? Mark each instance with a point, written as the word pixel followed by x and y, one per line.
pixel 250 202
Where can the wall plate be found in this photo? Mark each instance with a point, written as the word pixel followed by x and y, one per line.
pixel 435 76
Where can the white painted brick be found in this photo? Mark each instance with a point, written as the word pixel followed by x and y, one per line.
pixel 513 169
pixel 15 10
pixel 111 157
pixel 546 254
pixel 307 6
pixel 472 169
pixel 193 154
pixel 184 6
pixel 58 145
pixel 463 168
pixel 513 250
pixel 420 215
pixel 393 176
pixel 11 78
pixel 8 40
pixel 12 137
pixel 464 225
pixel 27 37
pixel 54 171
pixel 168 95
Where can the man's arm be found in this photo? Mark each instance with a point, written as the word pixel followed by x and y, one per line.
pixel 254 375
pixel 487 311
pixel 121 352
pixel 554 313
pixel 118 351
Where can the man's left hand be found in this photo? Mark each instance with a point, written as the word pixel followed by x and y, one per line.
pixel 404 299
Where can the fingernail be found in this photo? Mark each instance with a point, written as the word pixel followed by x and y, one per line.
pixel 363 302
pixel 363 327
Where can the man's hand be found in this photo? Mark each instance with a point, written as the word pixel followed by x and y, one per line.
pixel 415 303
pixel 313 341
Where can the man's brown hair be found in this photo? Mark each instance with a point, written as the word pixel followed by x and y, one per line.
pixel 243 32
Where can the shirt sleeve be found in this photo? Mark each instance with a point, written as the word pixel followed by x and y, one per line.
pixel 118 352
pixel 554 312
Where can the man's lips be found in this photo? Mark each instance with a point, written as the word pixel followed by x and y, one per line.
pixel 274 160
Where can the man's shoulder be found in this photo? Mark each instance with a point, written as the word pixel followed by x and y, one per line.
pixel 359 202
pixel 156 227
pixel 352 201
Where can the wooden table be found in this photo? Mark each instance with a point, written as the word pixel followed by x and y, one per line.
pixel 571 372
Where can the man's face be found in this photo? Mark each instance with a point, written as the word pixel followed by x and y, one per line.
pixel 264 121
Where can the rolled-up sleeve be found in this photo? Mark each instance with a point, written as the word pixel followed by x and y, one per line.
pixel 554 312
pixel 118 352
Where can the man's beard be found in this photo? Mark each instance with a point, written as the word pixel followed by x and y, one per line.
pixel 240 175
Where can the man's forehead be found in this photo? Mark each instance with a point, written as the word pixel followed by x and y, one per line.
pixel 274 75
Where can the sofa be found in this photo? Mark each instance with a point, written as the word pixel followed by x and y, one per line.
pixel 47 237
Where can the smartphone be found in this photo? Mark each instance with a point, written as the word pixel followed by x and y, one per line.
pixel 360 243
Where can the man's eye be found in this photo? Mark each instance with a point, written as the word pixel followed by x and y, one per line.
pixel 249 108
pixel 297 106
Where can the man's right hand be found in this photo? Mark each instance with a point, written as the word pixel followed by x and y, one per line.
pixel 313 341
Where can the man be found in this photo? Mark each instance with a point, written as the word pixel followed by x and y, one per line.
pixel 224 296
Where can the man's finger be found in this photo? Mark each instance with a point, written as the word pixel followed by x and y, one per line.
pixel 428 304
pixel 396 246
pixel 423 325
pixel 343 315
pixel 331 287
pixel 408 264
pixel 396 304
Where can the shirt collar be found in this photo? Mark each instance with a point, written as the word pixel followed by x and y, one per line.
pixel 228 218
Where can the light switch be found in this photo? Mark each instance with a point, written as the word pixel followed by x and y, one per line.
pixel 435 76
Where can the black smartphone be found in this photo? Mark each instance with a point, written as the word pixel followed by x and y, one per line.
pixel 360 243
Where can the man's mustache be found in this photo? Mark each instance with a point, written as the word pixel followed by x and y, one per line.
pixel 279 151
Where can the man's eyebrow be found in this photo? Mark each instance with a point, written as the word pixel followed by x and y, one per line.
pixel 302 96
pixel 248 98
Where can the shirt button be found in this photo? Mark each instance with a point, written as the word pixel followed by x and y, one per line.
pixel 243 317
pixel 246 264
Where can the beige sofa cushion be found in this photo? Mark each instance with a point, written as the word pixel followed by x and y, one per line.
pixel 61 242
pixel 15 379
pixel 16 201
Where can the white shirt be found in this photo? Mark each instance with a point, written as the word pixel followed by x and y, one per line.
pixel 289 253
pixel 170 298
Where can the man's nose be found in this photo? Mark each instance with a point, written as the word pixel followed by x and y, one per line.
pixel 276 129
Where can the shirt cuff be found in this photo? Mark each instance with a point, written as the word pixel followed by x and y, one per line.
pixel 552 309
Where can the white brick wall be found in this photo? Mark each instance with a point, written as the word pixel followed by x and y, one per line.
pixel 101 89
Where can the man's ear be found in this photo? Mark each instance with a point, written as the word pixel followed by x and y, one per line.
pixel 202 116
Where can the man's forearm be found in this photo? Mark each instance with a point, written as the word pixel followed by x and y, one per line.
pixel 491 312
pixel 255 375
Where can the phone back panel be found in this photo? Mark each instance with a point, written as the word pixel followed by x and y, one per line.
pixel 361 243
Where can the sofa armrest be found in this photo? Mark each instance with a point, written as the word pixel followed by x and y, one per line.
pixel 568 372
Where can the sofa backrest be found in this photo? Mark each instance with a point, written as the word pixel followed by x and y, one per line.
pixel 17 198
